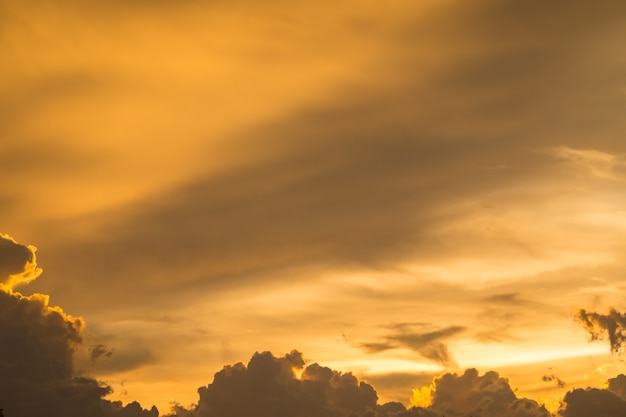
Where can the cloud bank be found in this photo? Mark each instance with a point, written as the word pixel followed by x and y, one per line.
pixel 270 386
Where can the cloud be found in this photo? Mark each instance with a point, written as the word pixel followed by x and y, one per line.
pixel 365 180
pixel 488 395
pixel 18 263
pixel 98 351
pixel 551 377
pixel 341 182
pixel 611 326
pixel 38 344
pixel 597 163
pixel 268 387
pixel 617 385
pixel 427 344
pixel 592 402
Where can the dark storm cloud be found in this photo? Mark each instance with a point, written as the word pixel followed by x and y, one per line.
pixel 38 344
pixel 611 326
pixel 428 344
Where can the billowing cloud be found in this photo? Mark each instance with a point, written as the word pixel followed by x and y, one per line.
pixel 18 263
pixel 488 395
pixel 593 402
pixel 617 385
pixel 268 387
pixel 611 326
pixel 38 344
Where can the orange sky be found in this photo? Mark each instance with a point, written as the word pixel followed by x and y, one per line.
pixel 397 189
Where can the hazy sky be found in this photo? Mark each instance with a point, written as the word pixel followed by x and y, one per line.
pixel 397 189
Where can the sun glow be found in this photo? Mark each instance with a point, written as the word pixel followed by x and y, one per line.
pixel 422 397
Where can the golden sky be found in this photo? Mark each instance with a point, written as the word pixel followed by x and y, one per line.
pixel 398 189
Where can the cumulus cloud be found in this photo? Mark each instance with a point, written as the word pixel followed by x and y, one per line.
pixel 592 402
pixel 488 395
pixel 38 343
pixel 18 263
pixel 617 385
pixel 611 326
pixel 268 386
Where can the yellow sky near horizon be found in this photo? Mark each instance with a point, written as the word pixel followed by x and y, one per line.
pixel 396 189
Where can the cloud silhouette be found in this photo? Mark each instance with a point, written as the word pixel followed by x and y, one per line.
pixel 38 343
pixel 268 386
pixel 611 326
pixel 488 395
pixel 617 385
pixel 18 264
pixel 551 377
pixel 428 344
pixel 592 402
pixel 98 351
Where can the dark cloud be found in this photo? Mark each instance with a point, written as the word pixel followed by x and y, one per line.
pixel 611 326
pixel 98 351
pixel 553 378
pixel 38 344
pixel 18 263
pixel 268 386
pixel 428 344
pixel 488 395
pixel 592 402
pixel 617 385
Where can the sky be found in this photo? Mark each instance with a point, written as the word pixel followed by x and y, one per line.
pixel 349 204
